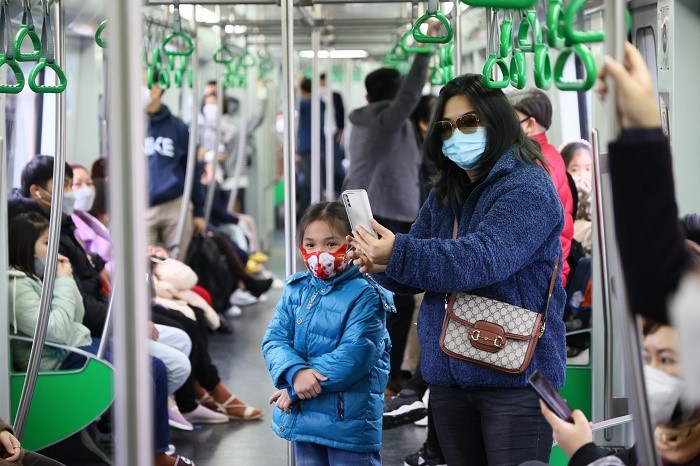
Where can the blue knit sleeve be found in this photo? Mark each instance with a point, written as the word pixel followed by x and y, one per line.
pixel 518 220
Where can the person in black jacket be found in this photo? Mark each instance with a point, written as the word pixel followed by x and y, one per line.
pixel 35 195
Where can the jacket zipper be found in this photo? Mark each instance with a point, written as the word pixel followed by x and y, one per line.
pixel 341 405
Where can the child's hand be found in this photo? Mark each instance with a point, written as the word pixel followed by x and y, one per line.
pixel 284 401
pixel 570 437
pixel 306 383
pixel 10 444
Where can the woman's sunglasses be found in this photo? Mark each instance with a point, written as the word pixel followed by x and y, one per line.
pixel 467 124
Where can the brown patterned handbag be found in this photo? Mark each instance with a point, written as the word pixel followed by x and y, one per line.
pixel 492 333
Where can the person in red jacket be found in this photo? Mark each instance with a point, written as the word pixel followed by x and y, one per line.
pixel 534 111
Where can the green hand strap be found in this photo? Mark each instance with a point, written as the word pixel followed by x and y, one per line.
pixel 189 46
pixel 518 70
pixel 7 58
pixel 432 12
pixel 543 67
pixel 529 24
pixel 223 55
pixel 19 76
pixel 247 60
pixel 27 29
pixel 47 60
pixel 580 85
pixel 424 48
pixel 98 35
pixel 506 39
pixel 492 61
pixel 436 76
pixel 555 24
pixel 569 29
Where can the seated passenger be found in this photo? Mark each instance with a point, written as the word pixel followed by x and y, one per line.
pixel 28 239
pixel 11 451
pixel 577 157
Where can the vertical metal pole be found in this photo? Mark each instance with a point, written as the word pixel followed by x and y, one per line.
pixel 191 150
pixel 240 151
pixel 128 194
pixel 457 58
pixel 315 119
pixel 330 130
pixel 214 162
pixel 289 143
pixel 59 169
pixel 290 219
pixel 4 329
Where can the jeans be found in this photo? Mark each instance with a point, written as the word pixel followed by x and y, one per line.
pixel 159 375
pixel 173 348
pixel 313 454
pixel 490 426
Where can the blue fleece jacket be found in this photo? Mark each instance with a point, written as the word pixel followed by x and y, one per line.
pixel 166 146
pixel 508 240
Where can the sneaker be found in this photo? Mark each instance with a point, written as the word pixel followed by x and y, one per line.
pixel 171 450
pixel 242 298
pixel 422 422
pixel 176 419
pixel 420 458
pixel 97 442
pixel 234 311
pixel 402 409
pixel 263 298
pixel 203 415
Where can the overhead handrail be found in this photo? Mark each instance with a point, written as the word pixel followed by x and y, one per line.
pixel 424 48
pixel 543 67
pixel 506 4
pixel 47 60
pixel 98 35
pixel 8 57
pixel 433 11
pixel 529 24
pixel 27 28
pixel 589 66
pixel 569 28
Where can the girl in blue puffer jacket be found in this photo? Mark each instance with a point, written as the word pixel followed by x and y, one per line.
pixel 327 350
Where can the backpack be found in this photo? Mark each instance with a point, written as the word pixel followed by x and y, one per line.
pixel 210 265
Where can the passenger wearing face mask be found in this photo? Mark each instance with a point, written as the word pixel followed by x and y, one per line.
pixel 34 195
pixel 490 227
pixel 677 431
pixel 577 158
pixel 91 233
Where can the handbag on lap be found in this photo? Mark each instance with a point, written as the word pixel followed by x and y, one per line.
pixel 492 333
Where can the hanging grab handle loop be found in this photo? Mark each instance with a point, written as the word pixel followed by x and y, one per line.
pixel 27 29
pixel 432 12
pixel 223 55
pixel 518 70
pixel 47 60
pixel 529 24
pixel 98 35
pixel 506 4
pixel 543 67
pixel 8 57
pixel 425 48
pixel 555 24
pixel 492 61
pixel 189 46
pixel 580 85
pixel 247 60
pixel 571 34
pixel 506 39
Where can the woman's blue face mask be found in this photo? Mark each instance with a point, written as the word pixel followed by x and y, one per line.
pixel 465 149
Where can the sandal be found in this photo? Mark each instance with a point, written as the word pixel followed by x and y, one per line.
pixel 182 461
pixel 234 408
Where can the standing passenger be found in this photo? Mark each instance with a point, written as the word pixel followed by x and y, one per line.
pixel 534 111
pixel 166 146
pixel 385 161
pixel 327 350
pixel 491 182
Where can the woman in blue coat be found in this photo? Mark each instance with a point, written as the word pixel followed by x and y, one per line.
pixel 492 180
pixel 327 350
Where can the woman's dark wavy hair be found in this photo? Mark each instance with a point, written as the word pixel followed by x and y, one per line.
pixel 503 132
pixel 333 213
pixel 23 231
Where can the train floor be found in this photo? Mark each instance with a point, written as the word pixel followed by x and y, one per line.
pixel 241 366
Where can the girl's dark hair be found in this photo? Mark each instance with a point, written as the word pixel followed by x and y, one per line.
pixel 570 149
pixel 503 132
pixel 99 206
pixel 23 231
pixel 333 213
pixel 423 110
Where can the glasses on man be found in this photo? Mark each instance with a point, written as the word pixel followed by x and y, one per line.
pixel 467 124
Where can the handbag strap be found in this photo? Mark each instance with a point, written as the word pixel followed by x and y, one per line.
pixel 552 280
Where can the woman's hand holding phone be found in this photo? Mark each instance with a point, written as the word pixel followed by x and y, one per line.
pixel 570 436
pixel 371 254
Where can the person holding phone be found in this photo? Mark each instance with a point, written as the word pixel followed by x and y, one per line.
pixel 493 184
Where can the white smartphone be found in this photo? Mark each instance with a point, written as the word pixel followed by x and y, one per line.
pixel 358 209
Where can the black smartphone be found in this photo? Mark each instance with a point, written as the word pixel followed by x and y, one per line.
pixel 549 395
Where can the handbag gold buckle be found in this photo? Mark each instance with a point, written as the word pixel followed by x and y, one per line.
pixel 497 342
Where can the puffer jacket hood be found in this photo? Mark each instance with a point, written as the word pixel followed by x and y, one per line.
pixel 336 327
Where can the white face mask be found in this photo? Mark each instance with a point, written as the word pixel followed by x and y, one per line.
pixel 663 394
pixel 84 198
pixel 145 97
pixel 210 112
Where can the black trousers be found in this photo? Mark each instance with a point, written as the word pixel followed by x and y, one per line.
pixel 202 368
pixel 398 324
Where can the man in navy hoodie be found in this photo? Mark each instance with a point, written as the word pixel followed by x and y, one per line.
pixel 166 147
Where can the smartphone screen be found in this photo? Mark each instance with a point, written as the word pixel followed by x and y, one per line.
pixel 549 395
pixel 358 209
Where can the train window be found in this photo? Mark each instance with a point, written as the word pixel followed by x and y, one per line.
pixel 646 43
